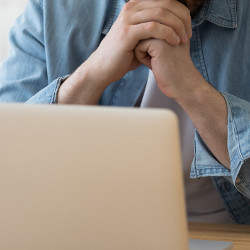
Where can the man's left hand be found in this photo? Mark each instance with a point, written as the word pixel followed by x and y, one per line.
pixel 172 66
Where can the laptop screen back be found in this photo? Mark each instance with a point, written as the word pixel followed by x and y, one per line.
pixel 90 178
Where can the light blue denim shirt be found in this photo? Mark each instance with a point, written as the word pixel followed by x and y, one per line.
pixel 53 37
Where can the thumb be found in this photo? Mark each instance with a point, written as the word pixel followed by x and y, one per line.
pixel 141 52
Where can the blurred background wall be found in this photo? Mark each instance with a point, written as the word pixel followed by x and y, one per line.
pixel 9 11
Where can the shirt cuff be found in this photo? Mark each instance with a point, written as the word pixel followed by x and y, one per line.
pixel 48 95
pixel 205 164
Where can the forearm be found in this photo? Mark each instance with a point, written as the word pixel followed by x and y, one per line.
pixel 207 109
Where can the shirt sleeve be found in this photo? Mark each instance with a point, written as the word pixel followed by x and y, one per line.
pixel 23 76
pixel 205 164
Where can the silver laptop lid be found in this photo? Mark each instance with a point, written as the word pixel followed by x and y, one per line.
pixel 90 178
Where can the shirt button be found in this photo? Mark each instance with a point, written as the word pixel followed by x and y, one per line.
pixel 238 181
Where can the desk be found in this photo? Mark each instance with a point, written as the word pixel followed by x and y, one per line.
pixel 238 234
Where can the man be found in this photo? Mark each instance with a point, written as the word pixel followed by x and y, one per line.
pixel 112 44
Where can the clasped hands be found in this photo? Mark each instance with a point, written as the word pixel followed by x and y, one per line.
pixel 155 33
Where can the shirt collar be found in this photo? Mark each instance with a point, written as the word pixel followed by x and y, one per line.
pixel 220 12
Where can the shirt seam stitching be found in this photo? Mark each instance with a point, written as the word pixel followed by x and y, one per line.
pixel 235 130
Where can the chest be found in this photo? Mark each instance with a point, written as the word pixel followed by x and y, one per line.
pixel 222 56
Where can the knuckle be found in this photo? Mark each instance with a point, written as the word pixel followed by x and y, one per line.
pixel 168 1
pixel 150 26
pixel 159 12
pixel 125 8
pixel 128 6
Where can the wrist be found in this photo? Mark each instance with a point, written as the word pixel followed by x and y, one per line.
pixel 200 98
pixel 195 89
pixel 84 86
pixel 90 78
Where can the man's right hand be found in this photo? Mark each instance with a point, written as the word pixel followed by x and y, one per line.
pixel 139 20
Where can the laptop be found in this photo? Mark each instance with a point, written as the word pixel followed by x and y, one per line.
pixel 96 178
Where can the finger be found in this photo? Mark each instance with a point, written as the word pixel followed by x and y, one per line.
pixel 151 30
pixel 181 11
pixel 164 17
pixel 141 53
pixel 173 6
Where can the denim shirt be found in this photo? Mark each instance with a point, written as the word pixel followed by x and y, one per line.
pixel 53 37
